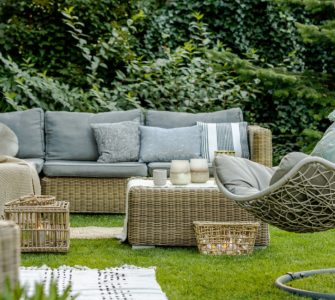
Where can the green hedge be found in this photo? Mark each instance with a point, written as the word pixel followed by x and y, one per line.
pixel 271 58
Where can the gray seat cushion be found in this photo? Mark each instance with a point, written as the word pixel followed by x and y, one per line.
pixel 166 166
pixel 28 126
pixel 37 163
pixel 242 176
pixel 68 168
pixel 69 135
pixel 167 119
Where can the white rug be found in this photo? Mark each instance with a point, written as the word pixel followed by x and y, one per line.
pixel 124 283
pixel 93 232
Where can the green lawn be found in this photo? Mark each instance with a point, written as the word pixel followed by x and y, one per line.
pixel 184 274
pixel 106 220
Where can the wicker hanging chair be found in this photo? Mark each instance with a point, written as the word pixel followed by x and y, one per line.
pixel 301 201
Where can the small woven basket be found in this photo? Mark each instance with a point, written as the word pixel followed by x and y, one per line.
pixel 44 223
pixel 9 253
pixel 229 238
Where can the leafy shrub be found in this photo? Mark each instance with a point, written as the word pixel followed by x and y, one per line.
pixel 271 58
pixel 198 77
pixel 34 30
pixel 240 26
pixel 183 79
pixel 18 292
pixel 23 86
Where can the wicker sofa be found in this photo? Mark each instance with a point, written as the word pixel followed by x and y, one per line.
pixel 64 151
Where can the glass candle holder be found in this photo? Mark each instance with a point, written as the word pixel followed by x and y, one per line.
pixel 199 170
pixel 180 172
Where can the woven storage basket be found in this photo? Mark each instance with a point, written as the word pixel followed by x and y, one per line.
pixel 43 221
pixel 230 238
pixel 9 252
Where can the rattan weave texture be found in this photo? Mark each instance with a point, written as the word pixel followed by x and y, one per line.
pixel 228 238
pixel 260 140
pixel 164 216
pixel 9 252
pixel 94 195
pixel 302 201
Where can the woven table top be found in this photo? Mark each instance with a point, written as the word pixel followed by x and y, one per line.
pixel 149 183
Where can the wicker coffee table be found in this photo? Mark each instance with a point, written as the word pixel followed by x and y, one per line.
pixel 164 215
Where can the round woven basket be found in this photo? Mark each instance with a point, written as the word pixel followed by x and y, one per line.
pixel 10 252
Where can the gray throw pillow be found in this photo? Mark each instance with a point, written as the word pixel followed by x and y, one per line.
pixel 9 144
pixel 160 144
pixel 117 142
pixel 325 148
pixel 286 164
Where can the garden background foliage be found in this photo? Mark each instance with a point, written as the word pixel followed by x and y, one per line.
pixel 273 58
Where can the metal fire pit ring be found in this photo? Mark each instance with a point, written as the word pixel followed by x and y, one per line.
pixel 282 280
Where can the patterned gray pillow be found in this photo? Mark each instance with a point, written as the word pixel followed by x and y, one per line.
pixel 117 142
pixel 160 144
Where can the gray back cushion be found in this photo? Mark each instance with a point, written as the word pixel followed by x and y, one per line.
pixel 28 125
pixel 161 144
pixel 69 135
pixel 168 119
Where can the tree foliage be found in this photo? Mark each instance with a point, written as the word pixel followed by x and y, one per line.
pixel 273 58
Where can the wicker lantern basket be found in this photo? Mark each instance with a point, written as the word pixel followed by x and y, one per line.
pixel 9 252
pixel 43 221
pixel 229 238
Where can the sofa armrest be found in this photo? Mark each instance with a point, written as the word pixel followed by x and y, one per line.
pixel 260 142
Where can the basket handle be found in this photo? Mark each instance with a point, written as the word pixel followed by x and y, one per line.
pixel 33 198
